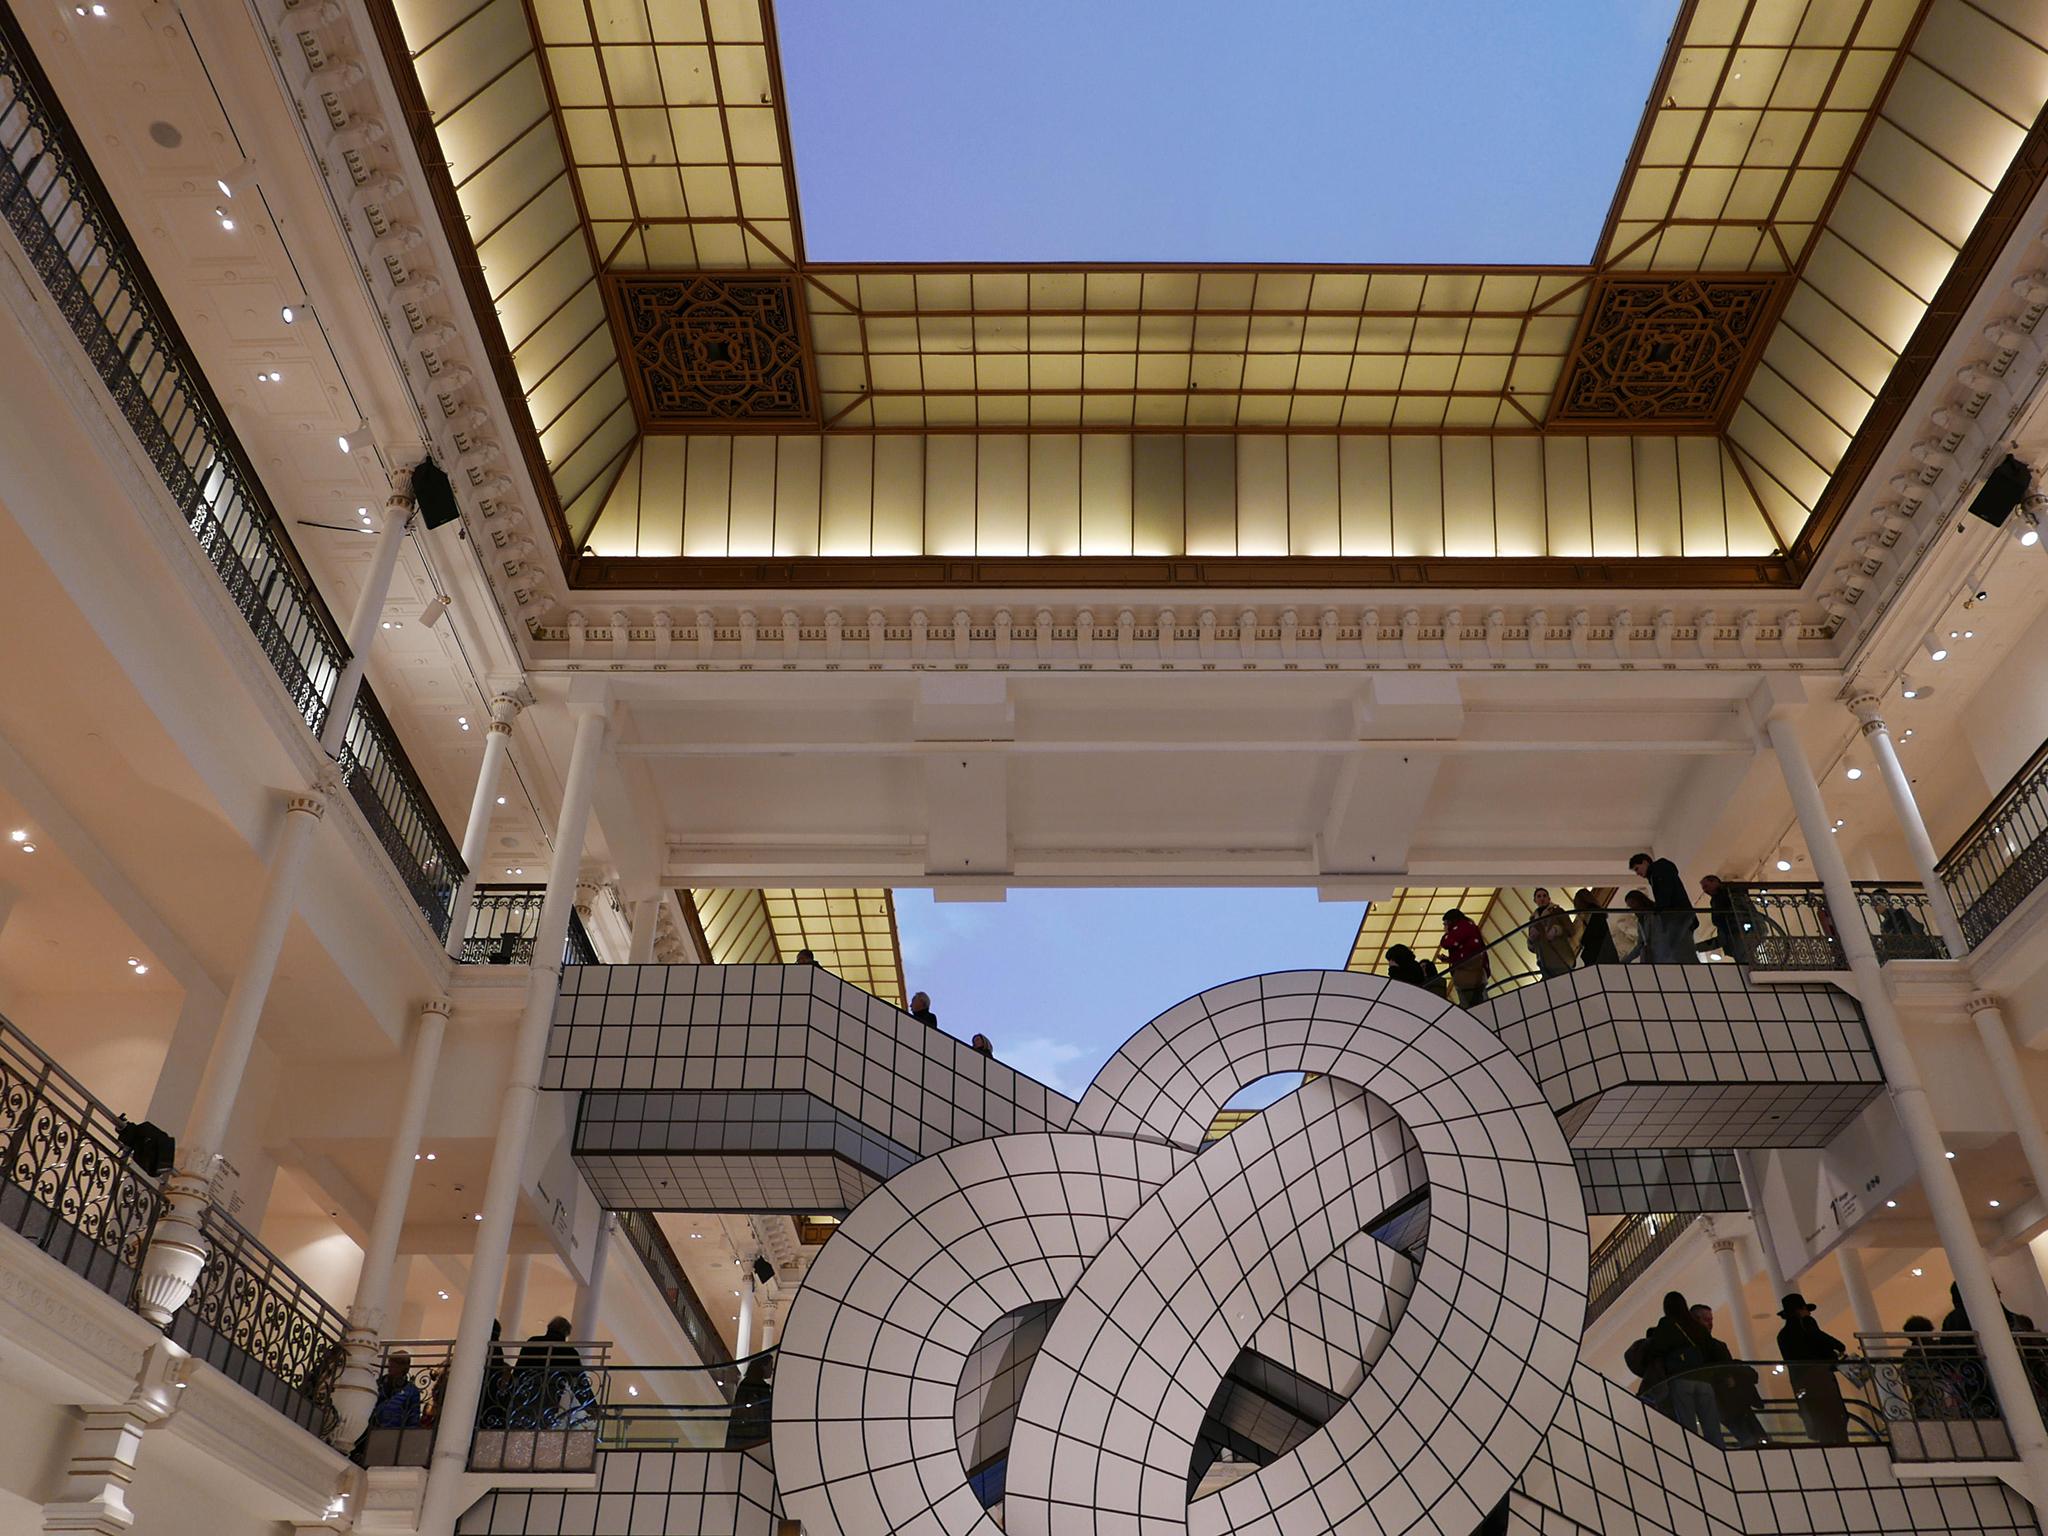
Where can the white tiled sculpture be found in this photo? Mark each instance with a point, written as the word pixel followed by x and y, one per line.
pixel 1170 1265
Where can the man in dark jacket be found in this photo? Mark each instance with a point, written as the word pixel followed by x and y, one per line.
pixel 1811 1356
pixel 1670 936
pixel 1734 1386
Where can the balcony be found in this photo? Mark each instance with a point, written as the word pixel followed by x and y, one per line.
pixel 67 226
pixel 72 1187
pixel 503 920
pixel 1998 862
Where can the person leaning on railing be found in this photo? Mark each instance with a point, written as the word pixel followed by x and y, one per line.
pixel 1810 1357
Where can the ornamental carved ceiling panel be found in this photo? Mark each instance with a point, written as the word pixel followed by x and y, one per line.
pixel 714 351
pixel 1665 352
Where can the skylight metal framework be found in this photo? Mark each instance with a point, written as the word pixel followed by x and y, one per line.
pixel 1856 161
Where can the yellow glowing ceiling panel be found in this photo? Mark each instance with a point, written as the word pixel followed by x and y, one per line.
pixel 1846 148
pixel 851 933
pixel 1413 916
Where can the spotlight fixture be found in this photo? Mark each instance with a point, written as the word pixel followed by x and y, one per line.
pixel 343 442
pixel 226 219
pixel 437 606
pixel 2030 531
pixel 1909 689
pixel 287 314
pixel 1937 650
pixel 225 190
pixel 2002 492
pixel 763 1270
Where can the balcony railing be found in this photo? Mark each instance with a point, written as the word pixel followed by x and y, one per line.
pixel 1786 925
pixel 69 1185
pixel 502 922
pixel 66 223
pixel 1625 1253
pixel 261 1326
pixel 644 1232
pixel 1996 864
pixel 1934 1392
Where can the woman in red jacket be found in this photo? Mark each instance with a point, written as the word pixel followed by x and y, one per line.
pixel 1464 952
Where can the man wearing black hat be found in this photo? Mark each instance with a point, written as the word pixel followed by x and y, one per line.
pixel 1810 1356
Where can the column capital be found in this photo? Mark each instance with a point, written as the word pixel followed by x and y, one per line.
pixel 505 708
pixel 1868 708
pixel 1982 1002
pixel 1724 1245
pixel 441 1005
pixel 312 802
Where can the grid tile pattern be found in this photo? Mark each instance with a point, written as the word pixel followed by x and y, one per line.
pixel 699 1080
pixel 878 1339
pixel 992 1382
pixel 642 1493
pixel 1476 1366
pixel 1651 1183
pixel 1685 1056
pixel 1609 1464
pixel 1335 1324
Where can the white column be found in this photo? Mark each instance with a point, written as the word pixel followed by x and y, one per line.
pixel 355 1392
pixel 590 1296
pixel 497 746
pixel 515 1125
pixel 177 1080
pixel 2012 1086
pixel 646 919
pixel 1736 1298
pixel 399 510
pixel 1906 811
pixel 512 1303
pixel 743 1335
pixel 1916 1115
pixel 177 1249
pixel 1862 1304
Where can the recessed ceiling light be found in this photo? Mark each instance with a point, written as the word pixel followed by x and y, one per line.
pixel 501 799
pixel 632 1391
pixel 18 835
pixel 479 1216
pixel 1907 732
pixel 1891 1205
pixel 1969 634
pixel 1853 773
pixel 430 1157
pixel 696 1234
pixel 1994 1205
pixel 28 847
pixel 1917 1273
pixel 1784 865
pixel 1950 1156
pixel 463 721
pixel 442 1294
pixel 387 624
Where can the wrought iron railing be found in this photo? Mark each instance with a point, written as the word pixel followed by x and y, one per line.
pixel 502 923
pixel 1997 863
pixel 1623 1254
pixel 1787 926
pixel 261 1326
pixel 69 1186
pixel 407 1412
pixel 1754 1404
pixel 644 1232
pixel 1934 1392
pixel 66 223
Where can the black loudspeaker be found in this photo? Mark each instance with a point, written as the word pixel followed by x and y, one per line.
pixel 763 1270
pixel 153 1148
pixel 436 497
pixel 2004 489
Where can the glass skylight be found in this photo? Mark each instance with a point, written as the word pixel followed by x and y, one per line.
pixel 1458 131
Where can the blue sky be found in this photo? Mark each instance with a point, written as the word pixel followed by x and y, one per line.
pixel 1059 979
pixel 1211 130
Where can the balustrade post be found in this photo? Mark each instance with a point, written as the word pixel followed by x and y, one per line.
pixel 1906 811
pixel 177 1249
pixel 104 1447
pixel 355 1393
pixel 463 1388
pixel 497 746
pixel 1916 1115
pixel 399 511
